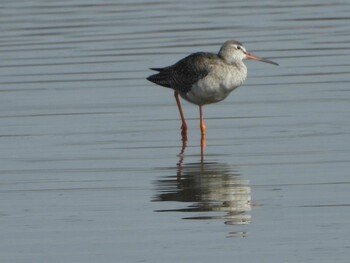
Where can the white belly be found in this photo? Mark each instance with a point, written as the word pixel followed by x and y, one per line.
pixel 216 86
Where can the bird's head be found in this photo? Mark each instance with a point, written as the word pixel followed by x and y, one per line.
pixel 233 51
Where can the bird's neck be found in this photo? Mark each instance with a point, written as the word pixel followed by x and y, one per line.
pixel 230 58
pixel 240 66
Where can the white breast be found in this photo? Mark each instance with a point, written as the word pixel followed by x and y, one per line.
pixel 217 85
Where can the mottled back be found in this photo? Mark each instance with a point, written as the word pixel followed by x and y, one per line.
pixel 182 75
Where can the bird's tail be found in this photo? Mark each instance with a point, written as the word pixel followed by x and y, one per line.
pixel 161 78
pixel 157 69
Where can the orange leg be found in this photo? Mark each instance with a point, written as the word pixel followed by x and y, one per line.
pixel 203 128
pixel 184 125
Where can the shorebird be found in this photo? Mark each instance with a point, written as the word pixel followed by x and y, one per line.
pixel 203 78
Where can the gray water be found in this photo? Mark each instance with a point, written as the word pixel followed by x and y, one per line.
pixel 92 166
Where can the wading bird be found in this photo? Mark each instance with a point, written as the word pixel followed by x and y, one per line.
pixel 203 78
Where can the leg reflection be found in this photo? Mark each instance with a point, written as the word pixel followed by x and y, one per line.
pixel 203 144
pixel 181 156
pixel 183 149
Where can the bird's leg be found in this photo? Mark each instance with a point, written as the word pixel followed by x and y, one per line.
pixel 184 125
pixel 202 125
pixel 203 129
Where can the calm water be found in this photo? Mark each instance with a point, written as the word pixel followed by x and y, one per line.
pixel 92 166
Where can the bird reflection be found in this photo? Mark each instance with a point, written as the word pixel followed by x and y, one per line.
pixel 213 190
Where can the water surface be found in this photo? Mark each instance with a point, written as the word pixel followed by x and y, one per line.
pixel 92 166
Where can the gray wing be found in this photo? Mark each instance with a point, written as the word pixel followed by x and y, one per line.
pixel 182 75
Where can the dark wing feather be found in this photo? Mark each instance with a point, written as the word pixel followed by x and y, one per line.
pixel 160 79
pixel 157 69
pixel 182 75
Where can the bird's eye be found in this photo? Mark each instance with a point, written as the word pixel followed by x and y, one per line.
pixel 238 47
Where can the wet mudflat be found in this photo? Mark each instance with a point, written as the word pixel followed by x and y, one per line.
pixel 92 166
